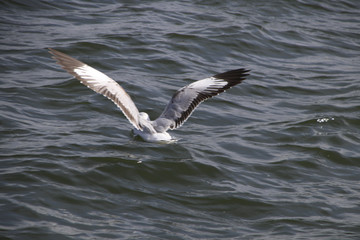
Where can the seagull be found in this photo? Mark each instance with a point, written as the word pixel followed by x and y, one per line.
pixel 177 111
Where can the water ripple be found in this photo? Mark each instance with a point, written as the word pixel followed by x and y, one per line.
pixel 274 158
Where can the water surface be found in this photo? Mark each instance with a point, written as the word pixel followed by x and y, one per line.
pixel 276 157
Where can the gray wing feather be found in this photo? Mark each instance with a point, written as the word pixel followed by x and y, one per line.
pixel 186 99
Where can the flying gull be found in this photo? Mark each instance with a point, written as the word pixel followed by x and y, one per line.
pixel 177 111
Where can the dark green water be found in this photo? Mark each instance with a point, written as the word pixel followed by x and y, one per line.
pixel 276 157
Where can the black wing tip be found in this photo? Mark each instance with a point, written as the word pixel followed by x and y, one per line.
pixel 51 50
pixel 55 52
pixel 233 75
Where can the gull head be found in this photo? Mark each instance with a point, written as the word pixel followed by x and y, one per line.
pixel 144 116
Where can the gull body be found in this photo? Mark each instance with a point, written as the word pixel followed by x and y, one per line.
pixel 177 111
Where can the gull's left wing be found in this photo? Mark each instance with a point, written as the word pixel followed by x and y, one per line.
pixel 100 83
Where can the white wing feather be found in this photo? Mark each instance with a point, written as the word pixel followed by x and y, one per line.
pixel 100 83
